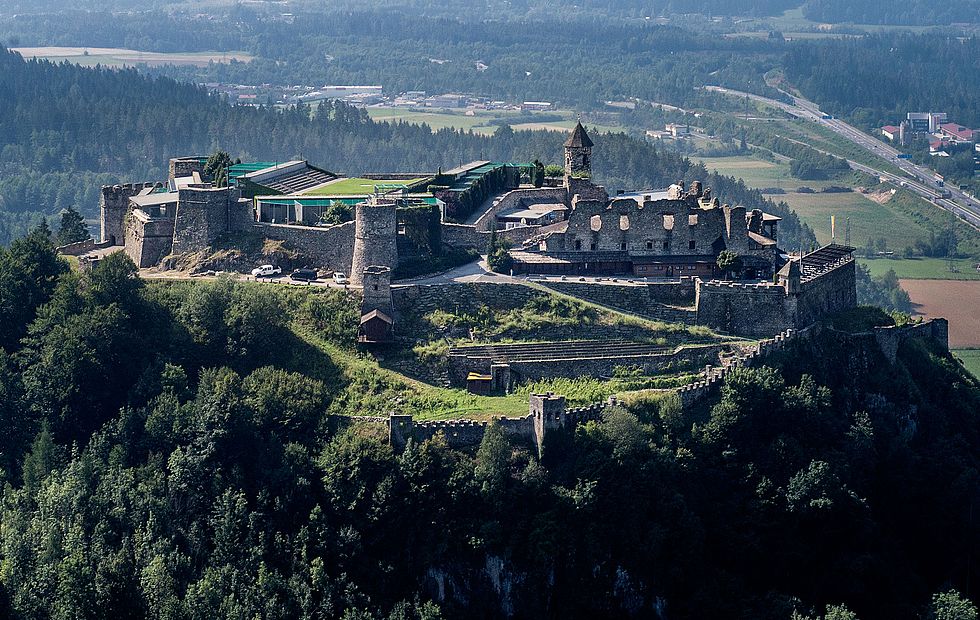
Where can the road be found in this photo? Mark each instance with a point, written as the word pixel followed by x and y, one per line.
pixel 918 179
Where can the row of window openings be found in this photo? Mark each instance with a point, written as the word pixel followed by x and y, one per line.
pixel 691 245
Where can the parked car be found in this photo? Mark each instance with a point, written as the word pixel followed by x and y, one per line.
pixel 339 277
pixel 304 275
pixel 264 271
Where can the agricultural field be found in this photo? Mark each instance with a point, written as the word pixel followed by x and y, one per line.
pixel 956 300
pixel 924 268
pixel 345 187
pixel 970 359
pixel 869 218
pixel 117 57
pixel 483 122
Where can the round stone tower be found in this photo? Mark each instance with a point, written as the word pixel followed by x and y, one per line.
pixel 375 238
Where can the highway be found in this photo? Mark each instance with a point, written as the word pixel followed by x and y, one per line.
pixel 918 179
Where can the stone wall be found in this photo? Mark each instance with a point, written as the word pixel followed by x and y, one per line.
pixel 184 167
pixel 745 309
pixel 648 299
pixel 113 205
pixel 831 291
pixel 330 247
pixel 148 239
pixel 204 214
pixel 889 339
pixel 467 236
pixel 518 198
pixel 547 412
pixel 81 247
pixel 585 365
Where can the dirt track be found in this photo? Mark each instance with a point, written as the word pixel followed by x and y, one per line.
pixel 956 300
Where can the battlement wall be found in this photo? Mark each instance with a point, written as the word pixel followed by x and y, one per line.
pixel 113 205
pixel 715 376
pixel 547 412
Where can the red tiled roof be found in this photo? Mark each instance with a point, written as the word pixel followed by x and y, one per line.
pixel 890 129
pixel 957 131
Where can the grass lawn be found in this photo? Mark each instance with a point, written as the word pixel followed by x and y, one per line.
pixel 345 187
pixel 970 359
pixel 923 268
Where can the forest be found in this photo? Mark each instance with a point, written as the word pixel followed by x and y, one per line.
pixel 901 12
pixel 66 130
pixel 167 454
pixel 875 80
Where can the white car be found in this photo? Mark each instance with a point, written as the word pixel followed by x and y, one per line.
pixel 339 277
pixel 263 271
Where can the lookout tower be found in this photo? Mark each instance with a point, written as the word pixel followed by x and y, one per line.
pixel 578 153
pixel 375 237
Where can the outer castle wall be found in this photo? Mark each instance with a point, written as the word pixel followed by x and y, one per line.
pixel 203 214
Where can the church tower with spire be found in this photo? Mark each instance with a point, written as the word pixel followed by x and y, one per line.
pixel 578 153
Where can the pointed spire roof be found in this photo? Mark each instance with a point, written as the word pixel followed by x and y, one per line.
pixel 578 138
pixel 790 270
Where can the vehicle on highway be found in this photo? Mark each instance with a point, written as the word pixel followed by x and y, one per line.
pixel 339 277
pixel 265 271
pixel 304 275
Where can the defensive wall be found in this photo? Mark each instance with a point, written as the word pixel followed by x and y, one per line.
pixel 113 205
pixel 760 309
pixel 656 300
pixel 332 247
pixel 204 214
pixel 518 198
pixel 885 339
pixel 422 299
pixel 578 359
pixel 148 238
pixel 467 236
pixel 547 412
pixel 763 309
pixel 82 247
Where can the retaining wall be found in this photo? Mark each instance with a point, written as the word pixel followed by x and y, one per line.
pixel 331 247
pixel 657 300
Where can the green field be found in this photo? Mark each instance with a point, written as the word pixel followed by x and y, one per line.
pixel 117 57
pixel 867 217
pixel 924 268
pixel 970 359
pixel 355 186
pixel 480 121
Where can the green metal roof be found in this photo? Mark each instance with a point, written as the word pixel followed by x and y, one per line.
pixel 240 170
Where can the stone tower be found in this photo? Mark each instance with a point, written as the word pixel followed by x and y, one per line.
pixel 376 281
pixel 375 237
pixel 789 277
pixel 578 153
pixel 113 205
